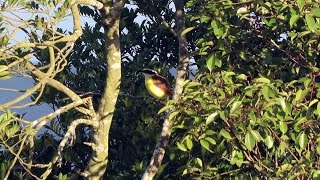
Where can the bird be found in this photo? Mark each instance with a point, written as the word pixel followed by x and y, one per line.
pixel 156 85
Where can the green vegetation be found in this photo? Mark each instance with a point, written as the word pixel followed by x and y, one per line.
pixel 246 105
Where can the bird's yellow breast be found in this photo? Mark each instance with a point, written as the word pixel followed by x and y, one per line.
pixel 153 89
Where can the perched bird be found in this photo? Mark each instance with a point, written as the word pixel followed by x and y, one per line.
pixel 157 85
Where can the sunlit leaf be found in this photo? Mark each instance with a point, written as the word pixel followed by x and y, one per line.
pixel 211 62
pixel 12 130
pixel 293 20
pixel 189 143
pixel 256 135
pixel 269 141
pixel 199 162
pixel 316 11
pixel 205 144
pixel 210 140
pixel 283 127
pixel 249 141
pixel 235 106
pixel 313 102
pixel 173 114
pixel 303 140
pixel 187 30
pixel 261 80
pixel 301 94
pixel 164 109
pixel 311 22
pixel 225 134
pixel 300 3
pixel 182 147
pixel 211 118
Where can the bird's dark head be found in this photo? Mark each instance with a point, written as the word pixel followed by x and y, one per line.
pixel 147 71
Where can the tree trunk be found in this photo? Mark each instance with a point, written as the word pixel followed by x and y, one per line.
pixel 159 151
pixel 99 159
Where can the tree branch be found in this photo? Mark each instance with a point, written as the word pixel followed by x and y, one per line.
pixel 159 151
pixel 99 159
pixel 63 142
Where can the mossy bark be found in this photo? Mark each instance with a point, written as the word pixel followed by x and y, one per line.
pixel 99 160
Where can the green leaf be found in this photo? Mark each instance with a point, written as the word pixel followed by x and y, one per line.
pixel 3 71
pixel 189 143
pixel 301 94
pixel 199 162
pixel 249 141
pixel 237 158
pixel 211 118
pixel 318 148
pixel 313 102
pixel 218 32
pixel 210 140
pixel 173 114
pixel 303 140
pixel 242 77
pixel 269 141
pixel 205 144
pixel 242 10
pixel 283 127
pixel 271 22
pixel 209 132
pixel 62 177
pixel 311 23
pixel 187 30
pixel 225 134
pixel 211 62
pixel 306 82
pixel 318 108
pixel 214 24
pixel 218 62
pixel 316 174
pixel 12 130
pixel 293 20
pixel 316 11
pixel 193 84
pixel 261 80
pixel 304 33
pixel 256 135
pixel 182 147
pixel 164 109
pixel 286 107
pixel 282 104
pixel 265 92
pixel 300 3
pixel 235 106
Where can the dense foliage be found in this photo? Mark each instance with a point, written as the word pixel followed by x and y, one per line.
pixel 256 112
pixel 250 110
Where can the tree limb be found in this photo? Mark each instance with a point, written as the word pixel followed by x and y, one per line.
pixel 159 151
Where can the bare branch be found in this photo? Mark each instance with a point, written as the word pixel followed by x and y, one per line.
pixel 15 158
pixel 23 96
pixel 63 142
pixel 37 124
